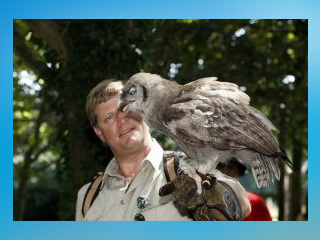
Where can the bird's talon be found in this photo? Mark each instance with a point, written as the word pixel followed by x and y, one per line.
pixel 206 184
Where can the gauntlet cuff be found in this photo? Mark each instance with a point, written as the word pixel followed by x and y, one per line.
pixel 219 203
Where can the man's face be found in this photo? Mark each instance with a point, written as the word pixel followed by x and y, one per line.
pixel 121 131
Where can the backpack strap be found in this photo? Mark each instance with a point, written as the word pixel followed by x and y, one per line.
pixel 92 192
pixel 171 164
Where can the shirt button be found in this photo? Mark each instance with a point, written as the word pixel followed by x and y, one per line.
pixel 122 202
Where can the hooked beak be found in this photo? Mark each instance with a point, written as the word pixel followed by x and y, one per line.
pixel 123 104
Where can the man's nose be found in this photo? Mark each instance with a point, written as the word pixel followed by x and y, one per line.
pixel 121 117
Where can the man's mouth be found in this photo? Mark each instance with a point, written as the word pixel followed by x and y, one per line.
pixel 125 132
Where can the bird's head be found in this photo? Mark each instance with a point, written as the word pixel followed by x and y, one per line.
pixel 147 95
pixel 136 92
pixel 130 98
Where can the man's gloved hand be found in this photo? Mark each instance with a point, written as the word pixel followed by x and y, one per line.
pixel 217 201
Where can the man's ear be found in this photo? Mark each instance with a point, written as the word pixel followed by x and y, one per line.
pixel 99 133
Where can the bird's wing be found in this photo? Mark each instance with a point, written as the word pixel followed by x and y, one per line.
pixel 210 113
pixel 218 114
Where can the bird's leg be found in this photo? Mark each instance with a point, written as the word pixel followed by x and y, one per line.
pixel 203 178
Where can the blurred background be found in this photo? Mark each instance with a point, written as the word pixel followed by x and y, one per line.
pixel 57 62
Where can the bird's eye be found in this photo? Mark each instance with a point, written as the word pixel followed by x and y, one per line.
pixel 132 90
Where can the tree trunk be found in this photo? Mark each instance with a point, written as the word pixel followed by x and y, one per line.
pixel 22 189
pixel 295 206
pixel 281 198
pixel 80 164
pixel 281 186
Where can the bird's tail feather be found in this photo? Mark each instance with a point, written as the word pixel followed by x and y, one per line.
pixel 264 169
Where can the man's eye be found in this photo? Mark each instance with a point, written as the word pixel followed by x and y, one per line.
pixel 109 118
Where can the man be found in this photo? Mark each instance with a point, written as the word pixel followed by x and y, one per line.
pixel 132 180
pixel 235 168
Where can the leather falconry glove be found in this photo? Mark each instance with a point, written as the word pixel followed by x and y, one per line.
pixel 216 202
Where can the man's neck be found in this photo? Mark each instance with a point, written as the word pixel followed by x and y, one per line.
pixel 129 164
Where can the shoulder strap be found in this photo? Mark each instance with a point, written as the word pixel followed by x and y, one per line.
pixel 171 164
pixel 92 192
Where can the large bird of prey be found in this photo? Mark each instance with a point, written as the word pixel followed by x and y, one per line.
pixel 209 120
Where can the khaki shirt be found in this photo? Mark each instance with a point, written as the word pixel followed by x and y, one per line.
pixel 117 200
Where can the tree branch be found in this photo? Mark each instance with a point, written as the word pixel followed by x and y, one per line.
pixel 51 34
pixel 26 54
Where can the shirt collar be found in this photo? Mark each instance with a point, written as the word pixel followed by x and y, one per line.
pixel 154 157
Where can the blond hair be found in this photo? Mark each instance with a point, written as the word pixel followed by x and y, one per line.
pixel 101 93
